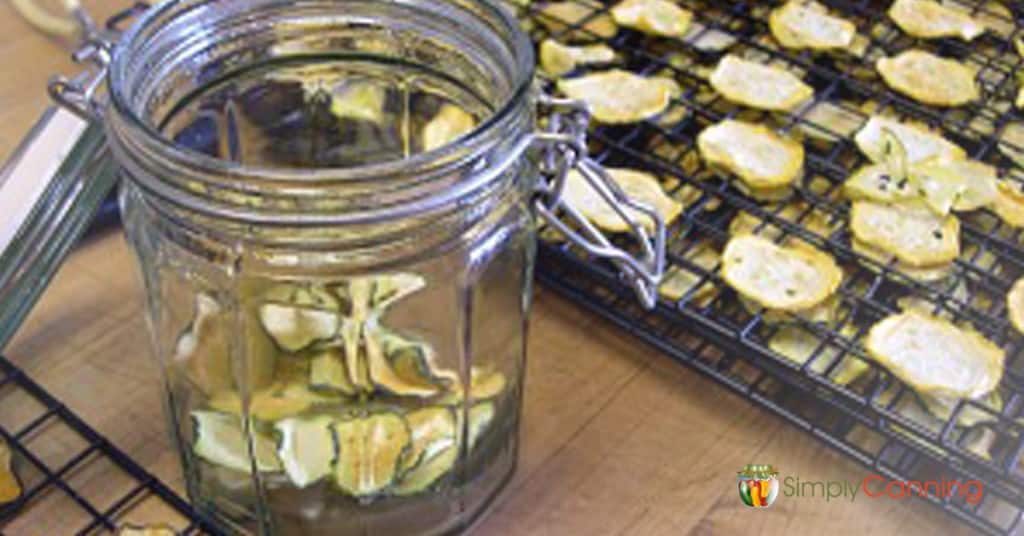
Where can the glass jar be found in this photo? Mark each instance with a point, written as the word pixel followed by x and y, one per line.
pixel 333 206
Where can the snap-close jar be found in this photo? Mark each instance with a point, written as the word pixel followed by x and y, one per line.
pixel 334 206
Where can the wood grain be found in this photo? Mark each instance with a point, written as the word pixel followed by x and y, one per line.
pixel 616 439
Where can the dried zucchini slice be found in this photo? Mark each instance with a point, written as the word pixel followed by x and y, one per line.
pixel 10 486
pixel 957 184
pixel 679 280
pixel 798 345
pixel 799 24
pixel 929 79
pixel 917 141
pixel 1009 203
pixel 148 530
pixel 432 432
pixel 202 351
pixel 759 156
pixel 788 278
pixel 825 312
pixel 265 405
pixel 925 275
pixel 483 384
pixel 557 59
pixel 875 182
pixel 1015 305
pixel 357 100
pixel 936 357
pixel 480 418
pixel 450 123
pixel 758 86
pixel 369 449
pixel 928 19
pixel 307 450
pixel 912 232
pixel 296 316
pixel 381 346
pixel 427 472
pixel 654 17
pixel 942 407
pixel 557 17
pixel 220 440
pixel 327 371
pixel 638 185
pixel 1011 142
pixel 617 96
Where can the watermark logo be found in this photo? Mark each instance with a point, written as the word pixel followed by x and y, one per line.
pixel 759 485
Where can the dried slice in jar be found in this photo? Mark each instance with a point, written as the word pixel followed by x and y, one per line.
pixel 917 141
pixel 381 348
pixel 557 59
pixel 1009 203
pixel 306 449
pixel 799 345
pixel 450 123
pixel 202 351
pixel 787 278
pixel 265 405
pixel 800 24
pixel 10 486
pixel 957 184
pixel 369 449
pixel 876 182
pixel 586 21
pixel 929 79
pixel 654 17
pixel 617 96
pixel 432 431
pixel 484 383
pixel 910 231
pixel 296 316
pixel 1015 305
pixel 480 417
pixel 928 19
pixel 356 99
pixel 147 530
pixel 327 371
pixel 220 440
pixel 427 472
pixel 679 280
pixel 760 157
pixel 936 357
pixel 638 185
pixel 757 85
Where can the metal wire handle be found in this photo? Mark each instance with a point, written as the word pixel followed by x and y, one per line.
pixel 564 142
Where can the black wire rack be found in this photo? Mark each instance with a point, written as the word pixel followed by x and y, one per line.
pixel 730 341
pixel 66 466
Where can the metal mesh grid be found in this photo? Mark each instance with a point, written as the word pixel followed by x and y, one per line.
pixel 75 481
pixel 992 257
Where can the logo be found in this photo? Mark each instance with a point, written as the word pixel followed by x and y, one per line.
pixel 759 485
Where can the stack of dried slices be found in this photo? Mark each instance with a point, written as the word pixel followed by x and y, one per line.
pixel 796 143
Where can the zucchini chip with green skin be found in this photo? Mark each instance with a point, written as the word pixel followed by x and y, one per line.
pixel 297 316
pixel 935 357
pixel 789 278
pixel 760 157
pixel 220 440
pixel 307 449
pixel 480 418
pixel 432 430
pixel 10 486
pixel 653 17
pixel 270 404
pixel 918 142
pixel 381 347
pixel 753 84
pixel 202 351
pixel 800 24
pixel 929 19
pixel 327 371
pixel 616 96
pixel 483 384
pixel 911 231
pixel 369 449
pixel 929 79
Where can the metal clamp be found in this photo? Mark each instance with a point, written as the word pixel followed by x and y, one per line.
pixel 564 148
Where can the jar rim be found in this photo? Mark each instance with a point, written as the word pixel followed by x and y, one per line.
pixel 520 46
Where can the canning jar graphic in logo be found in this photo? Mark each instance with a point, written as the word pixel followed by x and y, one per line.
pixel 759 485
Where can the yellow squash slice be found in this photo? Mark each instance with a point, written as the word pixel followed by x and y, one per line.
pixel 757 85
pixel 913 233
pixel 800 24
pixel 876 182
pixel 558 17
pixel 617 96
pixel 786 278
pixel 929 19
pixel 917 141
pixel 956 184
pixel 220 440
pixel 148 530
pixel 1009 203
pixel 369 449
pixel 760 157
pixel 10 486
pixel 557 59
pixel 1015 305
pixel 450 123
pixel 1011 142
pixel 929 274
pixel 929 79
pixel 798 345
pixel 679 280
pixel 936 357
pixel 306 449
pixel 641 187
pixel 654 17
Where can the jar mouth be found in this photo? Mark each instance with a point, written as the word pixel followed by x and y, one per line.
pixel 141 58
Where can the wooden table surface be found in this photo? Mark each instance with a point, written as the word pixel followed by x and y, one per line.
pixel 617 439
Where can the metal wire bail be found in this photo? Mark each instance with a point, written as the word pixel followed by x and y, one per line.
pixel 564 148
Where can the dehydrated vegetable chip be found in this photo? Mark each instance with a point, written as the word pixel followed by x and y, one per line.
pixel 799 24
pixel 787 278
pixel 640 186
pixel 756 154
pixel 557 59
pixel 910 231
pixel 618 96
pixel 929 79
pixel 757 85
pixel 929 19
pixel 655 17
